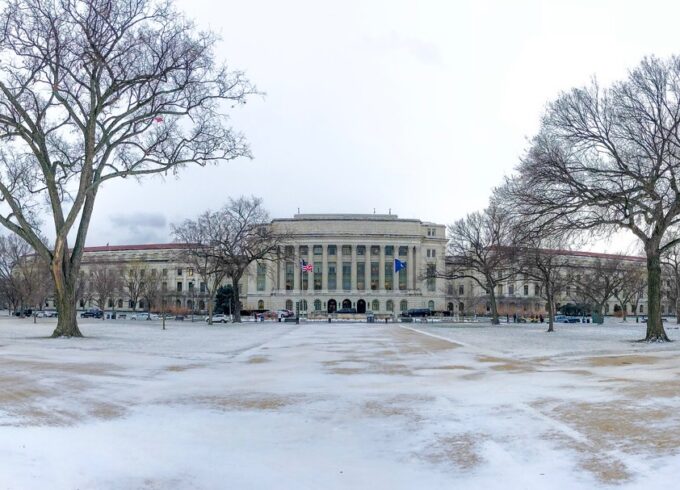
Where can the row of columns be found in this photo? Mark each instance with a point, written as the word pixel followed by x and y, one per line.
pixel 298 275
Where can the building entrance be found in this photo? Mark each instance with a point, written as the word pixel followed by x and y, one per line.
pixel 346 303
pixel 332 306
pixel 361 306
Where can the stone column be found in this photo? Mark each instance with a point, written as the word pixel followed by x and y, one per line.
pixel 310 275
pixel 338 267
pixel 381 269
pixel 395 275
pixel 324 270
pixel 367 269
pixel 297 282
pixel 416 250
pixel 353 284
pixel 410 267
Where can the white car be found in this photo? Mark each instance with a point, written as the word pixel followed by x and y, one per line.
pixel 144 316
pixel 220 318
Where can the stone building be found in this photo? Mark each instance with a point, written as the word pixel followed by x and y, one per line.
pixel 353 261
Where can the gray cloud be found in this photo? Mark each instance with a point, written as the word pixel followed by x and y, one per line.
pixel 139 228
pixel 424 51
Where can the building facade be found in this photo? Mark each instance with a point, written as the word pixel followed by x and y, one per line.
pixel 352 257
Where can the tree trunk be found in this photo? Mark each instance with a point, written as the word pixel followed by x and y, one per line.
pixel 237 300
pixel 655 330
pixel 211 297
pixel 494 308
pixel 551 314
pixel 67 323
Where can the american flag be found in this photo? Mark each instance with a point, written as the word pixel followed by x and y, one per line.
pixel 306 267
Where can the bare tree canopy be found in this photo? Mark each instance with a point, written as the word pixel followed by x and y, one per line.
pixel 608 158
pixel 92 90
pixel 481 247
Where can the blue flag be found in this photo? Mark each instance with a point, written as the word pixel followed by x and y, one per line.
pixel 399 265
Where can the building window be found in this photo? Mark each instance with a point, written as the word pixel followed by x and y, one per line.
pixel 303 305
pixel 164 286
pixel 332 275
pixel 511 289
pixel 318 273
pixel 191 287
pixel 361 275
pixel 430 305
pixel 290 276
pixel 403 251
pixel 499 288
pixel 346 250
pixel 317 305
pixel 261 276
pixel 179 272
pixel 375 305
pixel 201 305
pixel 461 290
pixel 537 290
pixel 346 276
pixel 332 250
pixel 403 305
pixel 388 276
pixel 179 287
pixel 389 306
pixel 375 250
pixel 289 304
pixel 260 305
pixel 131 304
pixel 641 309
pixel 375 275
pixel 190 272
pixel 304 250
pixel 526 290
pixel 289 251
pixel 431 277
pixel 402 280
pixel 203 287
pixel 361 250
pixel 318 250
pixel 389 250
pixel 304 278
pixel 165 272
pixel 110 303
pixel 120 303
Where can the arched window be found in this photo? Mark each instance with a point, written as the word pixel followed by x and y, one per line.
pixel 389 306
pixel 449 306
pixel 178 303
pixel 110 303
pixel 289 304
pixel 190 304
pixel 141 304
pixel 303 305
pixel 260 305
pixel 375 305
pixel 430 305
pixel 403 305
pixel 201 305
pixel 120 303
pixel 317 305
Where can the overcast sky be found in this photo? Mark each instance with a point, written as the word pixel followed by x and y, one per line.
pixel 419 107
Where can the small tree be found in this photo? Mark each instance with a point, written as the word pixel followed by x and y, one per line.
pixel 246 237
pixel 133 278
pixel 631 288
pixel 599 281
pixel 482 248
pixel 104 283
pixel 151 289
pixel 94 90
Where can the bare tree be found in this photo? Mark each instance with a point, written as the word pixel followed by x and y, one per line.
pixel 631 288
pixel 599 281
pixel 546 260
pixel 608 159
pixel 133 279
pixel 671 269
pixel 481 247
pixel 151 289
pixel 94 90
pixel 246 238
pixel 202 238
pixel 105 281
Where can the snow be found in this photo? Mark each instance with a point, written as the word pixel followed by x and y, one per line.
pixel 351 405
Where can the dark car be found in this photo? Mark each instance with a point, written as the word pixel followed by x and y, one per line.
pixel 417 312
pixel 92 314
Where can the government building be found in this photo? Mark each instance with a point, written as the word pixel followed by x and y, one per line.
pixel 352 259
pixel 339 262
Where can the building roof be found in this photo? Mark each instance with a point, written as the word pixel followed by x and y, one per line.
pixel 148 246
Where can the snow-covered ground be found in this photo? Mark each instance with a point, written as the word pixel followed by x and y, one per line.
pixel 337 406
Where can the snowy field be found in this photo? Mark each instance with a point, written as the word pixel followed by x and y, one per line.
pixel 281 406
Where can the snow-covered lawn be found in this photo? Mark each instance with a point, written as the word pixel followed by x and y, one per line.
pixel 337 406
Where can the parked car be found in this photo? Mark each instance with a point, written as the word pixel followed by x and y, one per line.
pixel 417 312
pixel 644 318
pixel 219 318
pixel 144 316
pixel 285 313
pixel 347 310
pixel 560 319
pixel 92 314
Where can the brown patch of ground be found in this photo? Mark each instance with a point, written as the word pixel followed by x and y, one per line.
pixel 177 368
pixel 506 364
pixel 606 361
pixel 415 342
pixel 106 411
pixel 653 389
pixel 250 401
pixel 459 450
pixel 257 360
pixel 396 406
